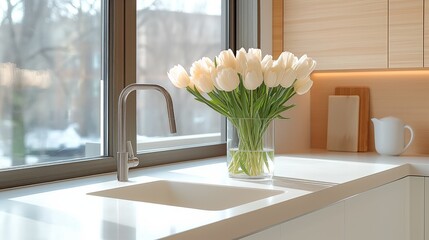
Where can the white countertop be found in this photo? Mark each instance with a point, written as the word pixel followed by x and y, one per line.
pixel 310 181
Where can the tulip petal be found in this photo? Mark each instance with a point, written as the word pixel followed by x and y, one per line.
pixel 270 79
pixel 302 86
pixel 267 63
pixel 204 84
pixel 241 61
pixel 227 59
pixel 227 79
pixel 178 76
pixel 255 53
pixel 201 76
pixel 288 78
pixel 252 81
pixel 286 60
pixel 304 67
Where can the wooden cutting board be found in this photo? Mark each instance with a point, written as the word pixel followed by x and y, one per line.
pixel 343 123
pixel 363 93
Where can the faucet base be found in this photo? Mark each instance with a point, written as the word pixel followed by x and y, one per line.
pixel 122 166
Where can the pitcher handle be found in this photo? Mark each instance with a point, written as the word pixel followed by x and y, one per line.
pixel 411 137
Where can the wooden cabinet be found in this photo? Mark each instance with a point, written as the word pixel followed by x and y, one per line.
pixel 339 34
pixel 426 34
pixel 405 33
pixel 347 34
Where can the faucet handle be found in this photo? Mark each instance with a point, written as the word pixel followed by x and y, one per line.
pixel 133 161
pixel 130 149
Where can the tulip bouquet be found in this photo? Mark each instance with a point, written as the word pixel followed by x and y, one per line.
pixel 247 86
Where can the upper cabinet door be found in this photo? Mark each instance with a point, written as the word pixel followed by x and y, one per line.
pixel 405 33
pixel 426 34
pixel 338 34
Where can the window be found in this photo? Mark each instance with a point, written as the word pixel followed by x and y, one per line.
pixel 51 80
pixel 170 33
pixel 63 64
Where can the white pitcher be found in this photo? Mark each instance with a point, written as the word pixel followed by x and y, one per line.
pixel 389 136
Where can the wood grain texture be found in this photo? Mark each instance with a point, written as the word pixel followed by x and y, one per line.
pixel 402 94
pixel 426 34
pixel 363 93
pixel 338 34
pixel 277 28
pixel 343 123
pixel 405 33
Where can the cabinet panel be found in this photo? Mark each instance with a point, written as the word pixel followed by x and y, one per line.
pixel 426 208
pixel 392 211
pixel 324 224
pixel 273 233
pixel 405 33
pixel 426 34
pixel 416 204
pixel 338 34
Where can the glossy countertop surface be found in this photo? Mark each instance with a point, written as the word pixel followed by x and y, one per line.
pixel 309 181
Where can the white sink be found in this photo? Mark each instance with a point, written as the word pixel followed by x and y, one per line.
pixel 189 195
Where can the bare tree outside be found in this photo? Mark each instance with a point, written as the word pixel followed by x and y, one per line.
pixel 50 73
pixel 170 33
pixel 50 61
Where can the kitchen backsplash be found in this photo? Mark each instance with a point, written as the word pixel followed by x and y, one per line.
pixel 403 94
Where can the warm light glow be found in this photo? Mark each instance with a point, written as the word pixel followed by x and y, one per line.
pixel 371 74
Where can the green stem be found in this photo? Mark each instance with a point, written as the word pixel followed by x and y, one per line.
pixel 250 158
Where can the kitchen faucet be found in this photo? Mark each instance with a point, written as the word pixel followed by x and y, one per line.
pixel 125 156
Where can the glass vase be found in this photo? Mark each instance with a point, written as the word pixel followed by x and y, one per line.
pixel 250 148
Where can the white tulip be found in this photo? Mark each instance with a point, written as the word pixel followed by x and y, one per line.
pixel 252 81
pixel 270 78
pixel 227 79
pixel 203 83
pixel 286 60
pixel 199 68
pixel 267 63
pixel 254 53
pixel 241 61
pixel 213 75
pixel 255 70
pixel 201 76
pixel 209 63
pixel 278 70
pixel 288 78
pixel 304 67
pixel 227 59
pixel 178 76
pixel 302 86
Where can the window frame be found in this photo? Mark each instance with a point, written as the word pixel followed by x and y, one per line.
pixel 120 37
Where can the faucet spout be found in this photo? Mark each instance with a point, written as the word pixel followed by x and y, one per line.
pixel 125 157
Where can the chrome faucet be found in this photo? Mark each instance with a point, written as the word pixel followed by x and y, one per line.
pixel 125 156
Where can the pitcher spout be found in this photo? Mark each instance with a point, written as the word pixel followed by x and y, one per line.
pixel 375 121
